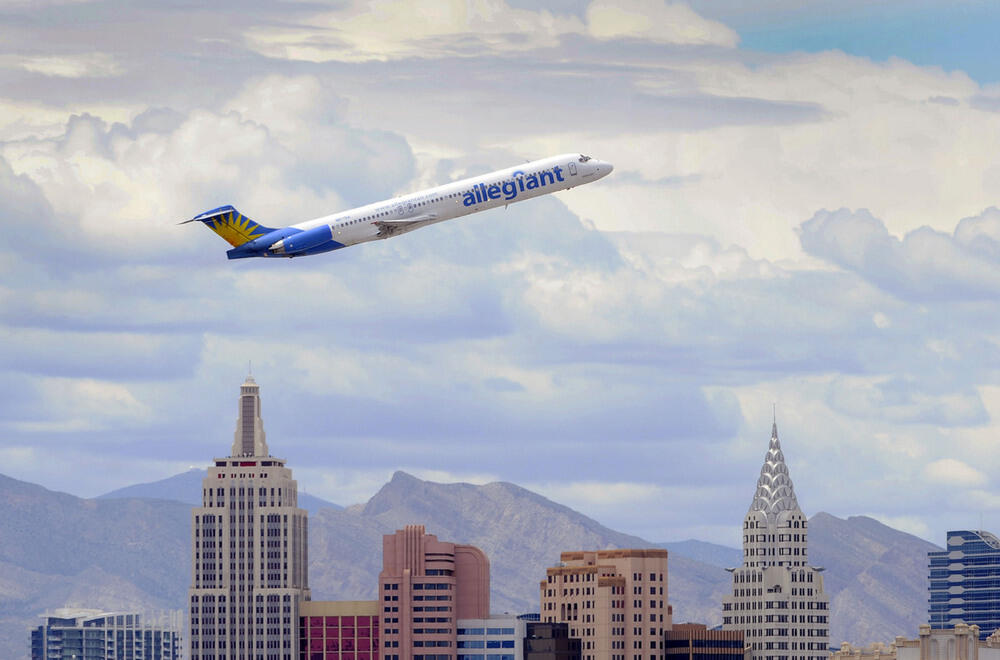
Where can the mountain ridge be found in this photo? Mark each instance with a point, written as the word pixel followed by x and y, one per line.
pixel 186 487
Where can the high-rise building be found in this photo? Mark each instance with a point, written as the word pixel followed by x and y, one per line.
pixel 248 544
pixel 964 582
pixel 615 602
pixel 425 586
pixel 95 635
pixel 777 598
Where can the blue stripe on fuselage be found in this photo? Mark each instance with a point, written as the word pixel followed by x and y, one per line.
pixel 258 247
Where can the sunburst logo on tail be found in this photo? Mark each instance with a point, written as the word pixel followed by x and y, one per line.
pixel 236 228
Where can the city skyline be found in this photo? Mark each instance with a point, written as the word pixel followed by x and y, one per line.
pixel 803 212
pixel 229 562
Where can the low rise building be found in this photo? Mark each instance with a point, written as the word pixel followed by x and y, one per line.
pixel 339 630
pixel 550 641
pixel 694 641
pixel 499 637
pixel 960 642
pixel 85 634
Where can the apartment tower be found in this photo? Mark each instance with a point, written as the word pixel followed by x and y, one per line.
pixel 249 564
pixel 777 598
pixel 84 634
pixel 425 586
pixel 614 601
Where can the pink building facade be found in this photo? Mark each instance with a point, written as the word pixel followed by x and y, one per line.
pixel 425 586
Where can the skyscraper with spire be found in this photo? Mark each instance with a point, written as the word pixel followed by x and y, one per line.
pixel 777 598
pixel 248 544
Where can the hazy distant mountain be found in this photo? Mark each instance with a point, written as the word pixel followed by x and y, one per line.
pixel 876 577
pixel 712 554
pixel 186 487
pixel 520 531
pixel 57 550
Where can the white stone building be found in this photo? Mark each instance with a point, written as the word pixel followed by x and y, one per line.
pixel 777 598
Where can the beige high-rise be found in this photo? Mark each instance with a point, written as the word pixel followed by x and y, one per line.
pixel 615 602
pixel 777 598
pixel 250 562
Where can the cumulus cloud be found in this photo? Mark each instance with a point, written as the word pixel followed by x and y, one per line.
pixel 123 187
pixel 392 29
pixel 73 405
pixel 907 402
pixel 924 264
pixel 609 494
pixel 909 524
pixel 955 473
pixel 84 65
pixel 659 21
pixel 661 311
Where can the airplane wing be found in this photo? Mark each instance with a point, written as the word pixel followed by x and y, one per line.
pixel 387 228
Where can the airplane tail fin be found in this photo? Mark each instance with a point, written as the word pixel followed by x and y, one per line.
pixel 231 225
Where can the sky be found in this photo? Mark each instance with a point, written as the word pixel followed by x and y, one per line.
pixel 802 224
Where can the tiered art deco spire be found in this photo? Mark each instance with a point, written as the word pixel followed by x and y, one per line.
pixel 774 487
pixel 793 625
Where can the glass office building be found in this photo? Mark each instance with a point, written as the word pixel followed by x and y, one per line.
pixel 964 582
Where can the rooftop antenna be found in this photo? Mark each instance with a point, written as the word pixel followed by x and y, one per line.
pixel 250 367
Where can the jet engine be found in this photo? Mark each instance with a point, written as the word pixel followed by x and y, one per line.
pixel 302 241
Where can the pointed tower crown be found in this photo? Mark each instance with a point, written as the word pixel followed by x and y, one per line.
pixel 774 487
pixel 249 438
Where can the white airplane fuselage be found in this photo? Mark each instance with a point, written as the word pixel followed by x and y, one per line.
pixel 399 215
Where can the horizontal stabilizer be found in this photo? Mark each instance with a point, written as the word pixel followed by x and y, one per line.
pixel 208 215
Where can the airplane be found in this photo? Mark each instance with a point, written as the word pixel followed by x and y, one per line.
pixel 400 215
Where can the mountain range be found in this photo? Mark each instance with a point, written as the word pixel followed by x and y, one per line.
pixel 130 549
pixel 186 487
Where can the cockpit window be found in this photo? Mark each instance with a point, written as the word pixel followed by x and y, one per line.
pixel 584 159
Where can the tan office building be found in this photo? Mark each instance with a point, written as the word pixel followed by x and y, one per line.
pixel 614 601
pixel 248 545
